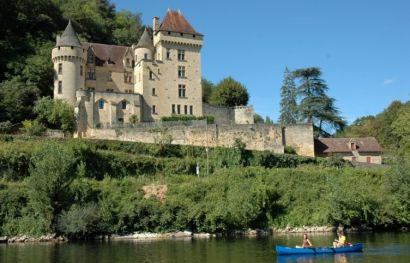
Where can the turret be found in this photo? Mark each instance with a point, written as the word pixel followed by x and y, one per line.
pixel 69 65
pixel 145 48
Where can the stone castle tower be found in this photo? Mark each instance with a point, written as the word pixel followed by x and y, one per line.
pixel 110 85
pixel 69 59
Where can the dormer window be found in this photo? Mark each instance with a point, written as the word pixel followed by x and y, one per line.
pixel 90 58
pixel 128 62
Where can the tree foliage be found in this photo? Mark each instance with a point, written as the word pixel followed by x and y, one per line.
pixel 207 89
pixel 55 114
pixel 229 92
pixel 308 101
pixel 288 104
pixel 390 127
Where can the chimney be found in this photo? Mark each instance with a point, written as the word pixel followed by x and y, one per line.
pixel 155 23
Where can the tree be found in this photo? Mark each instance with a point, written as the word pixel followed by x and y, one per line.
pixel 207 89
pixel 258 118
pixel 127 28
pixel 315 106
pixel 229 92
pixel 55 114
pixel 401 129
pixel 268 120
pixel 16 99
pixel 52 170
pixel 288 105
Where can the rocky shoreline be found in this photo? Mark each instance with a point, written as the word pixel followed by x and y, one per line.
pixel 147 236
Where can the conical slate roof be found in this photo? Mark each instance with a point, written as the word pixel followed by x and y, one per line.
pixel 69 37
pixel 145 40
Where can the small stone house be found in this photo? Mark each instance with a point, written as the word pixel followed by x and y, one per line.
pixel 356 150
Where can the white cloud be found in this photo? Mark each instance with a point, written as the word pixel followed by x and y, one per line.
pixel 388 81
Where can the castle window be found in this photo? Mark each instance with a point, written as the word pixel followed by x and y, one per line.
pixel 81 70
pixel 191 110
pixel 133 63
pixel 153 92
pixel 181 91
pixel 109 76
pixel 145 56
pixel 185 109
pixel 60 68
pixel 123 105
pixel 193 35
pixel 101 104
pixel 60 87
pixel 181 54
pixel 151 75
pixel 168 53
pixel 91 74
pixel 173 108
pixel 169 32
pixel 154 109
pixel 182 34
pixel 179 109
pixel 110 90
pixel 90 58
pixel 181 72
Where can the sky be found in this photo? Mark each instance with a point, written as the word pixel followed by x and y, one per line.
pixel 361 46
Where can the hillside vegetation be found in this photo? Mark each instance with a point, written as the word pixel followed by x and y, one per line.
pixel 83 188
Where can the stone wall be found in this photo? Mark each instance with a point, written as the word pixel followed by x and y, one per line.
pixel 255 136
pixel 229 115
pixel 300 137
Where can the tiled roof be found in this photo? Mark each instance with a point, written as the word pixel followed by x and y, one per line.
pixel 145 40
pixel 107 55
pixel 174 21
pixel 341 145
pixel 69 37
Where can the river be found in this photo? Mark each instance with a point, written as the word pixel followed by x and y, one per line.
pixel 379 247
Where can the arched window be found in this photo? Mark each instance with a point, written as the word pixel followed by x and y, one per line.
pixel 101 104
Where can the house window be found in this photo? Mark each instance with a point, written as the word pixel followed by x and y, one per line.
pixel 154 109
pixel 91 74
pixel 369 159
pixel 151 75
pixel 60 87
pixel 181 54
pixel 101 104
pixel 185 109
pixel 181 72
pixel 179 109
pixel 173 108
pixel 123 105
pixel 181 91
pixel 81 70
pixel 153 92
pixel 109 76
pixel 168 53
pixel 60 68
pixel 191 110
pixel 90 58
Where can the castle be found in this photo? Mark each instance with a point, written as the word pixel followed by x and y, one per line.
pixel 110 85
pixel 158 76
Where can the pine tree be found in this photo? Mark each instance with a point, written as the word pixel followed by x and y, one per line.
pixel 315 106
pixel 288 104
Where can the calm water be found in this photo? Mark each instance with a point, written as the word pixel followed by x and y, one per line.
pixel 378 248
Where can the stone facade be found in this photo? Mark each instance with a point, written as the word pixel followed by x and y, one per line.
pixel 106 84
pixel 255 136
pixel 230 115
